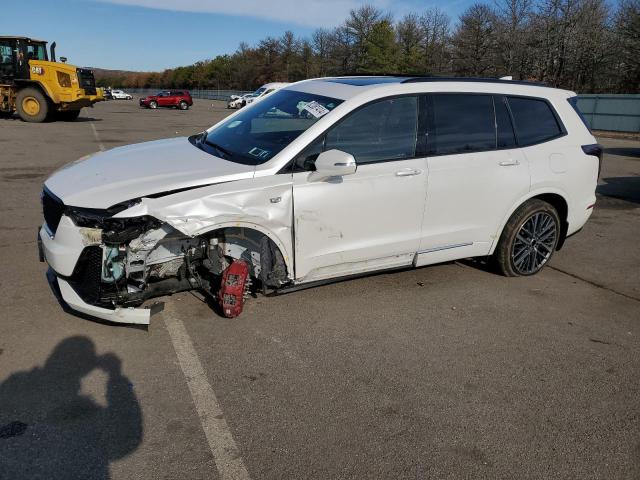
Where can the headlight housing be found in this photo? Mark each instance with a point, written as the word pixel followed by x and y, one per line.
pixel 114 230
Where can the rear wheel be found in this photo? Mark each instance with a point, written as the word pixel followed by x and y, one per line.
pixel 32 105
pixel 68 115
pixel 183 105
pixel 153 104
pixel 528 240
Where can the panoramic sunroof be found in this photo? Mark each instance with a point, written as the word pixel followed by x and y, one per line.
pixel 364 81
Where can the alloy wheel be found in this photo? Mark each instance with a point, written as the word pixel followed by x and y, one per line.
pixel 534 243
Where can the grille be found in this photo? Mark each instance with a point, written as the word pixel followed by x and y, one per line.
pixel 52 209
pixel 86 81
pixel 86 279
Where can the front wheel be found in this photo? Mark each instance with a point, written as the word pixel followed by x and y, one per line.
pixel 32 105
pixel 528 240
pixel 153 105
pixel 183 105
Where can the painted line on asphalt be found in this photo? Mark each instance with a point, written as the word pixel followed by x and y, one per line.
pixel 95 134
pixel 223 447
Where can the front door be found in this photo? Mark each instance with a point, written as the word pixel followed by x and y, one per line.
pixel 164 99
pixel 371 219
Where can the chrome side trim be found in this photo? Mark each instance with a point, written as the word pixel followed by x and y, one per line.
pixel 444 247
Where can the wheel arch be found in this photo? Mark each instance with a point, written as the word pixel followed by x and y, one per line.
pixel 259 230
pixel 555 198
pixel 22 84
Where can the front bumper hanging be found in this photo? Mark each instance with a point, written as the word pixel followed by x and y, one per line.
pixel 68 294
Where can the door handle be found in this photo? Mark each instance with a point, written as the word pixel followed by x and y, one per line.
pixel 509 163
pixel 408 172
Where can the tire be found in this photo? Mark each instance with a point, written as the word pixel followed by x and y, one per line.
pixel 153 104
pixel 183 105
pixel 32 105
pixel 68 115
pixel 528 239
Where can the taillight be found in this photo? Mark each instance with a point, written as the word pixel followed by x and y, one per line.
pixel 596 150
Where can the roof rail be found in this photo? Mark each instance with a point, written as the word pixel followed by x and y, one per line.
pixel 417 79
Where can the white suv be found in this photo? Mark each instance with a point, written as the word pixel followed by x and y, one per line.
pixel 323 179
pixel 263 91
pixel 120 95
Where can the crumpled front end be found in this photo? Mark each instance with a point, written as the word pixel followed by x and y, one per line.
pixel 108 265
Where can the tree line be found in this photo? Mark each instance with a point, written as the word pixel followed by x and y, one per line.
pixel 581 45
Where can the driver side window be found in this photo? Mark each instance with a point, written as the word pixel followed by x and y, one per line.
pixel 380 131
pixel 383 130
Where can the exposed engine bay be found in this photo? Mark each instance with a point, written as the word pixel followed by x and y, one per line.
pixel 129 260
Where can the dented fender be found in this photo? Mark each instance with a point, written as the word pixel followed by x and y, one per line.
pixel 264 204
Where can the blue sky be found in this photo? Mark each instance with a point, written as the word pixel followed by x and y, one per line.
pixel 157 34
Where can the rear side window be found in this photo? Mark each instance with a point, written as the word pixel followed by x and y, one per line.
pixel 384 130
pixel 534 120
pixel 573 101
pixel 461 123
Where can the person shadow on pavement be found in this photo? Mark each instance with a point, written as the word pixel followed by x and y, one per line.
pixel 50 431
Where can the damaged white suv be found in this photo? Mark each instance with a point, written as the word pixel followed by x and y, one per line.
pixel 323 179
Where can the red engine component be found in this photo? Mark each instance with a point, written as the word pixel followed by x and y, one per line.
pixel 235 282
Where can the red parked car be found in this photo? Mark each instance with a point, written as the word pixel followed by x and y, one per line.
pixel 169 98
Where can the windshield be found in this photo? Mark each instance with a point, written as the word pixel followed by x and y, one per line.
pixel 260 132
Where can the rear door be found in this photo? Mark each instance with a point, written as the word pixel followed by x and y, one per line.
pixel 176 96
pixel 371 219
pixel 476 174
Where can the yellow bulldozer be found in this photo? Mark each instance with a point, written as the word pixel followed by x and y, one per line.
pixel 40 88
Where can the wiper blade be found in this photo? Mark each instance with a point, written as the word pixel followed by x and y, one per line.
pixel 219 148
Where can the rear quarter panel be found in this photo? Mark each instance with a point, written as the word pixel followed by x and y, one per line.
pixel 560 166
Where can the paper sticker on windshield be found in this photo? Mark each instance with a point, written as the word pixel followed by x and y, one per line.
pixel 315 109
pixel 258 152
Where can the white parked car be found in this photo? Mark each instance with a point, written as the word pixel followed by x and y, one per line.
pixel 238 101
pixel 120 95
pixel 324 179
pixel 263 91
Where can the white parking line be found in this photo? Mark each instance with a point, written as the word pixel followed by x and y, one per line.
pixel 95 134
pixel 224 449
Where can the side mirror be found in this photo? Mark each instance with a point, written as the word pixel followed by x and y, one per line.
pixel 334 163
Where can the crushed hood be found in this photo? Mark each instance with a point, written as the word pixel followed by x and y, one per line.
pixel 124 173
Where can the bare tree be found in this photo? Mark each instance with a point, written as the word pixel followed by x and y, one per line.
pixel 411 37
pixel 474 42
pixel 627 44
pixel 513 19
pixel 581 45
pixel 436 44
